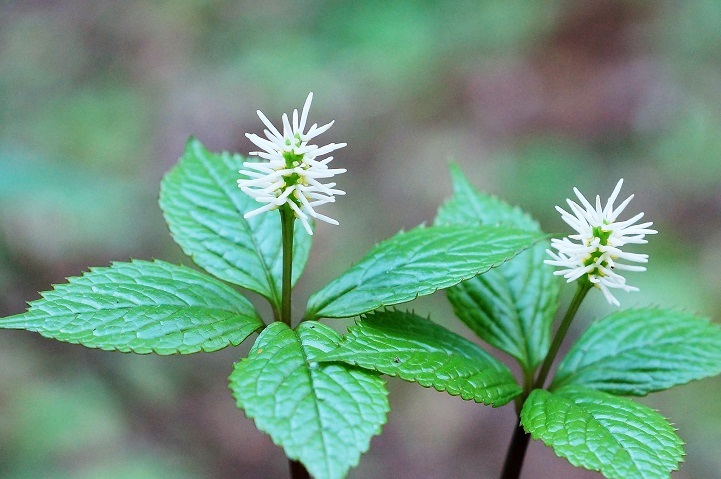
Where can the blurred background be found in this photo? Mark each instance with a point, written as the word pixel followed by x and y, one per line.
pixel 529 97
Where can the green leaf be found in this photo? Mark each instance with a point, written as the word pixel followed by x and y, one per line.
pixel 639 351
pixel 416 263
pixel 604 433
pixel 204 209
pixel 418 350
pixel 510 307
pixel 142 307
pixel 321 414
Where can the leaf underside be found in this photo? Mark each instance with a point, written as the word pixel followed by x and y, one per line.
pixel 204 209
pixel 638 351
pixel 321 414
pixel 142 307
pixel 601 432
pixel 417 350
pixel 512 306
pixel 416 263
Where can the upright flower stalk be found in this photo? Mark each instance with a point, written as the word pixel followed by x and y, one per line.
pixel 286 221
pixel 289 181
pixel 591 257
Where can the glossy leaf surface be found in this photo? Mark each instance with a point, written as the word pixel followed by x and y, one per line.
pixel 417 263
pixel 321 414
pixel 415 349
pixel 601 432
pixel 142 307
pixel 638 351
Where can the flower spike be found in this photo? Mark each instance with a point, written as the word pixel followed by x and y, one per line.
pixel 595 249
pixel 292 170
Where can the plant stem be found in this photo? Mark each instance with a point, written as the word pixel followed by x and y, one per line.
pixel 527 388
pixel 297 470
pixel 519 443
pixel 516 453
pixel 286 219
pixel 583 288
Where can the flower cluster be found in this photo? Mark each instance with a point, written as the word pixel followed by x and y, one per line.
pixel 595 250
pixel 293 169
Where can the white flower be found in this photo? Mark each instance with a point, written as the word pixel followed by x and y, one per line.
pixel 293 169
pixel 595 249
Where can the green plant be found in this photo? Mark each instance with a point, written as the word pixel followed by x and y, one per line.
pixel 319 395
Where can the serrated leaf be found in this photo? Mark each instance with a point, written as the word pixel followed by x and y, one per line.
pixel 321 414
pixel 204 209
pixel 635 352
pixel 510 307
pixel 142 307
pixel 416 263
pixel 416 349
pixel 601 432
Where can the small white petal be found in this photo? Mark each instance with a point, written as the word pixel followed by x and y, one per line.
pixel 609 297
pixel 260 210
pixel 326 219
pixel 267 123
pixel 611 199
pixel 612 215
pixel 583 200
pixel 315 130
pixel 267 145
pixel 304 115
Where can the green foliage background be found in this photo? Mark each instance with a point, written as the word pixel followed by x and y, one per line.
pixel 529 97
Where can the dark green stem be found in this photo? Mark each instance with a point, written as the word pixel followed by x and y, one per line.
pixel 581 291
pixel 286 219
pixel 297 470
pixel 519 443
pixel 516 453
pixel 527 388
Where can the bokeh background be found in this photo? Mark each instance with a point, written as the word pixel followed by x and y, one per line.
pixel 529 97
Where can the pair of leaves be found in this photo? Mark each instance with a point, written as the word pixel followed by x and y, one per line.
pixel 204 211
pixel 510 307
pixel 157 307
pixel 631 352
pixel 322 415
pixel 591 428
